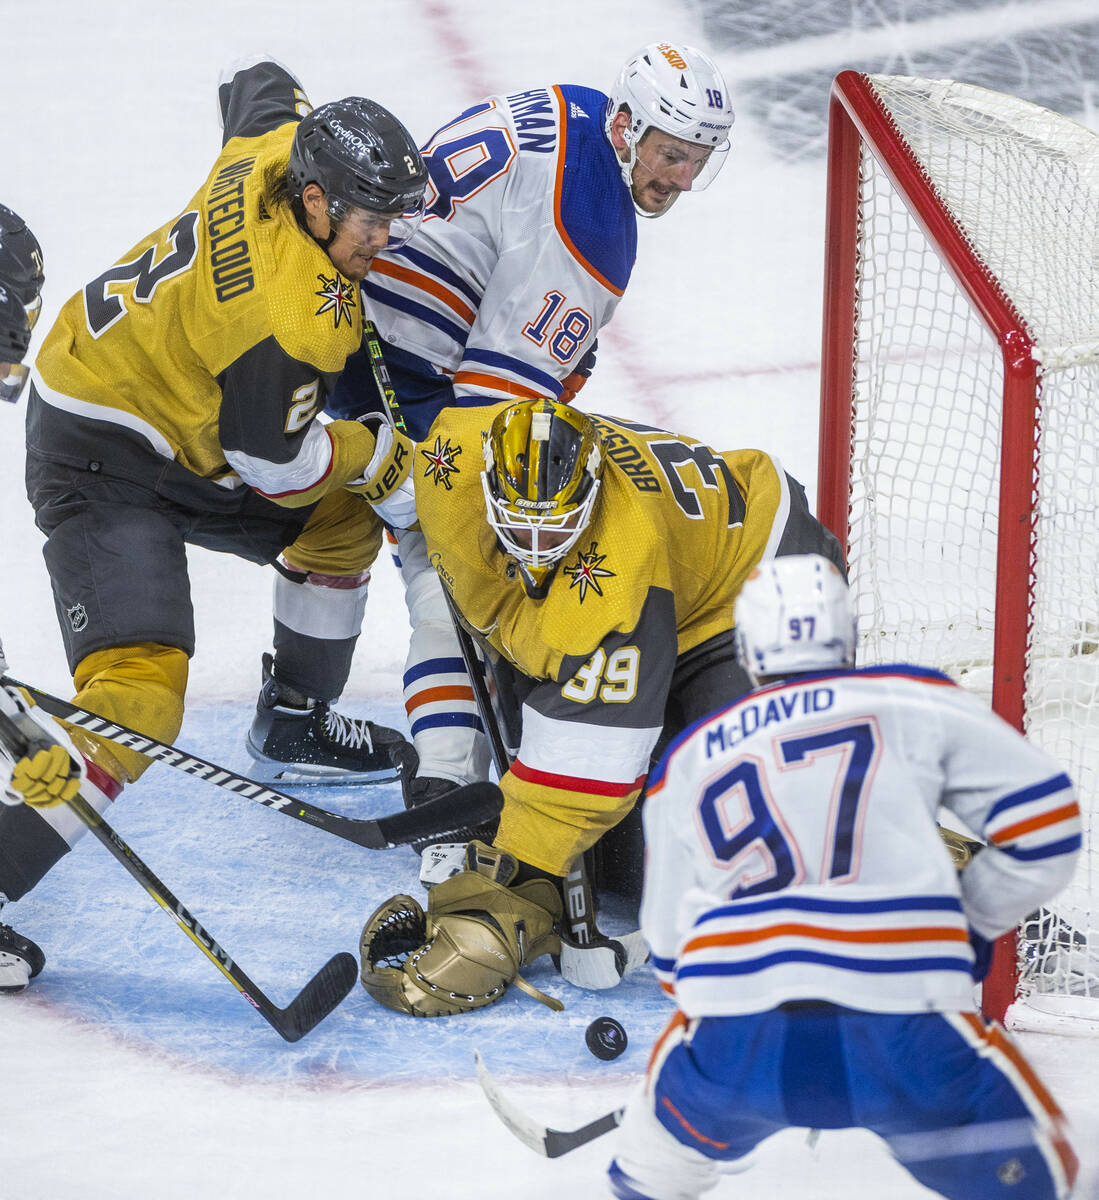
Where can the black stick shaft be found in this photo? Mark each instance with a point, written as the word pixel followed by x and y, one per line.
pixel 288 1022
pixel 500 757
pixel 439 819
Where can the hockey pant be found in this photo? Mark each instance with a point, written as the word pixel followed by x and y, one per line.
pixel 442 713
pixel 953 1098
pixel 318 610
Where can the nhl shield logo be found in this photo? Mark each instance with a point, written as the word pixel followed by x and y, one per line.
pixel 78 617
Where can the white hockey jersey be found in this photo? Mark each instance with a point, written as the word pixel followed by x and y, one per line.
pixel 526 247
pixel 793 854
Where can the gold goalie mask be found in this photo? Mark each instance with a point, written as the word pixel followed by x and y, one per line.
pixel 469 946
pixel 543 462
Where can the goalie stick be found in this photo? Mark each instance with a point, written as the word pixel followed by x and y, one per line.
pixel 551 1143
pixel 309 1007
pixel 444 819
pixel 587 958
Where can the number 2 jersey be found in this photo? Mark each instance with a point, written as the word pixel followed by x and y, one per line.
pixel 792 851
pixel 675 531
pixel 526 247
pixel 214 341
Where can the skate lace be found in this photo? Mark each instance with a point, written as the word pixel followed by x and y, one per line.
pixel 347 731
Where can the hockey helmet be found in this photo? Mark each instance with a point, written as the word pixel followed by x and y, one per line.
pixel 362 157
pixel 543 461
pixel 794 614
pixel 679 90
pixel 21 279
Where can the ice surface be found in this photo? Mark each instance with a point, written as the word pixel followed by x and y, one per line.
pixel 132 1067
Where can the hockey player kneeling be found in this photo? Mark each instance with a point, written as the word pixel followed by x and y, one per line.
pixel 597 561
pixel 469 946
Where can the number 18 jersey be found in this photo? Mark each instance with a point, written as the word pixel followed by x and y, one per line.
pixel 526 248
pixel 793 853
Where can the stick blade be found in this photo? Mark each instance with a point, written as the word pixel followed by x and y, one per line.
pixel 324 992
pixel 551 1143
pixel 525 1128
pixel 446 819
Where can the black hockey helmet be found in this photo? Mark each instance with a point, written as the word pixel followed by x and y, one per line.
pixel 21 279
pixel 362 157
pixel 15 327
pixel 20 261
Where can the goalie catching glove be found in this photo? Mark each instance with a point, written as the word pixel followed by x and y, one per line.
pixel 468 948
pixel 46 775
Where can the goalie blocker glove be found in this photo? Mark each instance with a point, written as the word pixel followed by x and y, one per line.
pixel 469 946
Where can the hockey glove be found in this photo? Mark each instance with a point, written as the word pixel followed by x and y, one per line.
pixel 468 948
pixel 386 483
pixel 45 777
pixel 571 384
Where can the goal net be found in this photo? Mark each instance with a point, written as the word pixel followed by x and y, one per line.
pixel 959 451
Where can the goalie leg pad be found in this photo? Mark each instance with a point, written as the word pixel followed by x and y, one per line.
pixel 469 946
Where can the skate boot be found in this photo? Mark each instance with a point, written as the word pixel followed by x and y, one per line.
pixel 294 739
pixel 20 960
pixel 420 789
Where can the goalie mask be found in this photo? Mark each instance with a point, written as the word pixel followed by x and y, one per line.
pixel 543 461
pixel 680 92
pixel 794 614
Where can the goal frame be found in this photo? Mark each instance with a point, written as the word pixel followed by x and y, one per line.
pixel 857 118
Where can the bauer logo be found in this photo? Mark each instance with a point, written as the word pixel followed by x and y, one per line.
pixel 78 617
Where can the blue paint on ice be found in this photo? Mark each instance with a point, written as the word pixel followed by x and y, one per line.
pixel 281 898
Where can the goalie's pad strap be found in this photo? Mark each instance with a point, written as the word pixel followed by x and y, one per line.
pixel 549 1001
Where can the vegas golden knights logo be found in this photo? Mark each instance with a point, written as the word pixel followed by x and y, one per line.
pixel 337 297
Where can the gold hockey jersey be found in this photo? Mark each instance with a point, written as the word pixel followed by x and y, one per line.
pixel 216 339
pixel 675 531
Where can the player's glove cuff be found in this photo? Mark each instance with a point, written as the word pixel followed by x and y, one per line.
pixel 386 483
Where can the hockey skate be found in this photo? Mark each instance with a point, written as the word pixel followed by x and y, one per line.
pixel 421 789
pixel 296 740
pixel 20 960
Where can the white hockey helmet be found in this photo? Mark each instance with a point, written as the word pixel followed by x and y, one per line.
pixel 679 90
pixel 794 614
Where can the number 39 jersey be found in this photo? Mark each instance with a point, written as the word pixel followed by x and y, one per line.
pixel 793 853
pixel 214 340
pixel 526 247
pixel 675 531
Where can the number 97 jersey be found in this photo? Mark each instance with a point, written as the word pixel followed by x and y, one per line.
pixel 793 851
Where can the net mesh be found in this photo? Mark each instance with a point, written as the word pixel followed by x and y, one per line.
pixel 1022 184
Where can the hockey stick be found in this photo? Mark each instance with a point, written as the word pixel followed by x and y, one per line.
pixel 587 958
pixel 443 819
pixel 310 1006
pixel 551 1143
pixel 501 759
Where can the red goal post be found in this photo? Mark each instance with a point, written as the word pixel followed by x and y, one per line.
pixel 960 362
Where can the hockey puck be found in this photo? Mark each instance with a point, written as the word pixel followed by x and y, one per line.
pixel 605 1038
